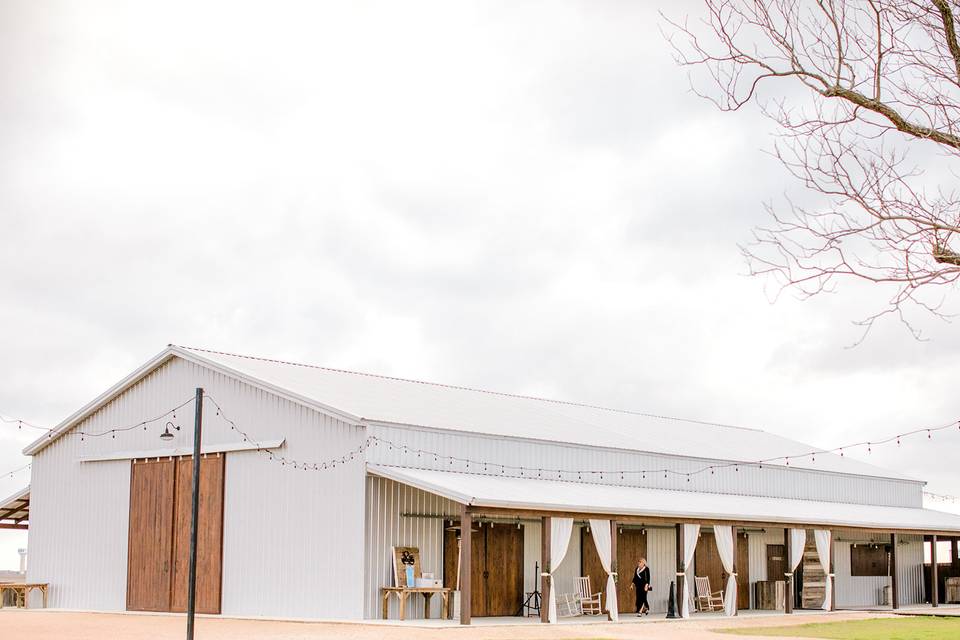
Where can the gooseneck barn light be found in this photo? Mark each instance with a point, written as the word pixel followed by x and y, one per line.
pixel 166 435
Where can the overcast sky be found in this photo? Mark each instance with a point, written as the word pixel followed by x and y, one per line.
pixel 520 196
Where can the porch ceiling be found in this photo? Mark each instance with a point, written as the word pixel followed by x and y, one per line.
pixel 15 510
pixel 499 492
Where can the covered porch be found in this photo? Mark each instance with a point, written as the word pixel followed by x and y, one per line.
pixel 678 532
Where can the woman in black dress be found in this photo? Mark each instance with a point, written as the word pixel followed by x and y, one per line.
pixel 641 584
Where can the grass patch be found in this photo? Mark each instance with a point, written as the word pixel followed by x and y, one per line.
pixel 900 628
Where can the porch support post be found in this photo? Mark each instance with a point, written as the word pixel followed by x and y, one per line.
pixel 954 558
pixel 545 570
pixel 833 580
pixel 894 587
pixel 788 573
pixel 613 562
pixel 466 561
pixel 681 570
pixel 736 548
pixel 934 578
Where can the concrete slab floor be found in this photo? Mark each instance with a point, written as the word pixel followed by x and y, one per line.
pixel 46 624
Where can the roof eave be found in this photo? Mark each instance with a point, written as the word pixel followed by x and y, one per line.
pixel 91 407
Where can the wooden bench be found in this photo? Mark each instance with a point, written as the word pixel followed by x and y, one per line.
pixel 21 590
pixel 403 593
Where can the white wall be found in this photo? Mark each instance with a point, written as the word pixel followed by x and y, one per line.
pixel 864 591
pixel 293 540
pixel 773 481
pixel 757 542
pixel 387 526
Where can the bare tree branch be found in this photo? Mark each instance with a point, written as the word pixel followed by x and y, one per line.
pixel 874 133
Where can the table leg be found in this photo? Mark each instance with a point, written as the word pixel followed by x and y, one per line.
pixel 44 590
pixel 426 605
pixel 444 605
pixel 386 604
pixel 403 605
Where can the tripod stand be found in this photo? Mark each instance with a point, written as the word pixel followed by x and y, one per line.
pixel 531 606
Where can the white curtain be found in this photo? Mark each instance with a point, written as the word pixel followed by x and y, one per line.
pixel 798 540
pixel 725 545
pixel 823 540
pixel 602 538
pixel 691 533
pixel 560 530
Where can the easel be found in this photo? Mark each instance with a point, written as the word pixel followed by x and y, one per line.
pixel 532 604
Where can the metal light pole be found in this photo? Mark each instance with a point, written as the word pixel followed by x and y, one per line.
pixel 194 514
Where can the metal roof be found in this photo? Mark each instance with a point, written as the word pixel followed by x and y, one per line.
pixel 15 510
pixel 363 397
pixel 501 492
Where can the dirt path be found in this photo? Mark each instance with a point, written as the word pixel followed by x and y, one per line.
pixel 62 625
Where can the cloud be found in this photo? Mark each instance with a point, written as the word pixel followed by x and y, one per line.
pixel 524 197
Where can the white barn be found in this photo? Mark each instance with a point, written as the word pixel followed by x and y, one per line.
pixel 322 472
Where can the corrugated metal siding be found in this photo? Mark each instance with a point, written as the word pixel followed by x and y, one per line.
pixel 78 530
pixel 771 481
pixel 295 535
pixel 861 591
pixel 662 560
pixel 757 542
pixel 387 527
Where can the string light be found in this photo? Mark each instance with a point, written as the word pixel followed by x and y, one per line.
pixel 376 440
pixel 12 472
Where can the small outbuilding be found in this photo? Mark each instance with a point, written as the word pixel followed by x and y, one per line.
pixel 320 486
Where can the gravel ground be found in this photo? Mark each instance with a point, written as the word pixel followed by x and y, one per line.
pixel 66 625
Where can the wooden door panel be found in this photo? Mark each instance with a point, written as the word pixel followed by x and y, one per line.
pixel 776 561
pixel 590 562
pixel 743 572
pixel 496 578
pixel 631 546
pixel 209 534
pixel 150 535
pixel 451 564
pixel 451 556
pixel 504 570
pixel 707 562
pixel 478 602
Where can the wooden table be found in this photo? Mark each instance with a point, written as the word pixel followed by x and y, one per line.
pixel 21 590
pixel 403 593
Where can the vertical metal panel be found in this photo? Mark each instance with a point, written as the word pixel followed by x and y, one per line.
pixel 757 542
pixel 78 530
pixel 387 526
pixel 414 447
pixel 531 556
pixel 864 591
pixel 286 532
pixel 662 560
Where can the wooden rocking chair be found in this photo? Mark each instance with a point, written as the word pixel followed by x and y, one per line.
pixel 707 600
pixel 589 601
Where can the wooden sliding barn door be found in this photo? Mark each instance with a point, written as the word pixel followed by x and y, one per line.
pixel 158 543
pixel 707 563
pixel 497 560
pixel 209 534
pixel 504 570
pixel 150 535
pixel 631 546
